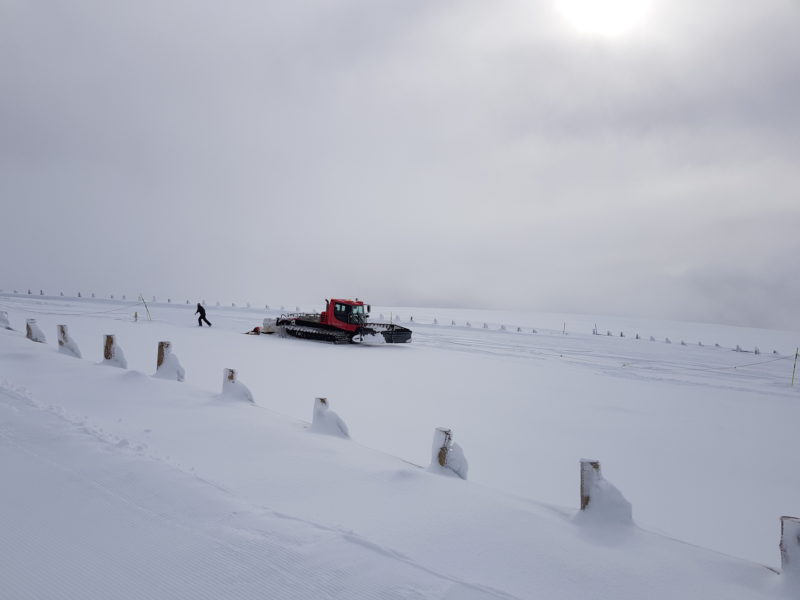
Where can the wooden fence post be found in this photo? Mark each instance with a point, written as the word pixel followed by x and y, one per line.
pixel 113 354
pixel 108 347
pixel 446 454
pixel 590 470
pixel 33 333
pixel 229 376
pixel 442 439
pixel 66 345
pixel 62 335
pixel 162 350
pixel 790 546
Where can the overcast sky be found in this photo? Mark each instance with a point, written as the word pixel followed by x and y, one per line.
pixel 409 152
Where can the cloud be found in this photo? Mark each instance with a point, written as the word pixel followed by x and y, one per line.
pixel 406 152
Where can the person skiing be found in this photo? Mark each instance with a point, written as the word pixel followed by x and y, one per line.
pixel 202 312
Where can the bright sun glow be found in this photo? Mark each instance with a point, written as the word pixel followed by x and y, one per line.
pixel 603 17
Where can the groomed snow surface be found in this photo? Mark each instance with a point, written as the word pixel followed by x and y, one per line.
pixel 120 485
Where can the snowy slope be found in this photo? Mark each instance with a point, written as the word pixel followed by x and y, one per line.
pixel 253 480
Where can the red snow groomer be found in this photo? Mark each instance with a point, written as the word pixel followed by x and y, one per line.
pixel 342 322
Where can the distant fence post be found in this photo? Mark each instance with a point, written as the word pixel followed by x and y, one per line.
pixel 590 470
pixel 790 546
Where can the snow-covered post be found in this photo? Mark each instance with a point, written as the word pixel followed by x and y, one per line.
pixel 167 364
pixel 324 420
pixel 33 333
pixel 600 497
pixel 233 388
pixel 113 354
pixel 66 345
pixel 4 320
pixel 446 455
pixel 790 547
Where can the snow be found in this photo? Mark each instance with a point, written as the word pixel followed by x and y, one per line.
pixel 120 485
pixel 4 324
